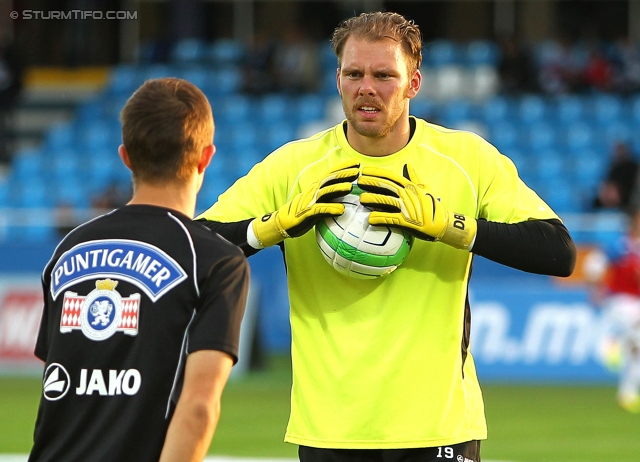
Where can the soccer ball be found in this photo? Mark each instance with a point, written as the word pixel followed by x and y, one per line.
pixel 355 248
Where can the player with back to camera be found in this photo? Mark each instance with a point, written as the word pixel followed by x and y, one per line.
pixel 382 368
pixel 143 306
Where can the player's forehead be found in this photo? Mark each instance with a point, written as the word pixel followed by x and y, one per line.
pixel 359 53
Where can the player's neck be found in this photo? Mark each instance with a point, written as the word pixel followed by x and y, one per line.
pixel 180 198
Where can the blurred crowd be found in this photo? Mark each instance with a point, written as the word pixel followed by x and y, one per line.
pixel 567 65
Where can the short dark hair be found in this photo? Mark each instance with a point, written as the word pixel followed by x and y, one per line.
pixel 378 25
pixel 166 124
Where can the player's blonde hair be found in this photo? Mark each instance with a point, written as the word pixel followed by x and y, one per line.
pixel 378 25
pixel 166 124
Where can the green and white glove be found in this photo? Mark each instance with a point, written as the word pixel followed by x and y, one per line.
pixel 403 202
pixel 300 214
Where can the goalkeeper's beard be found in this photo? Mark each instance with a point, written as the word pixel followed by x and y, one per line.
pixel 371 129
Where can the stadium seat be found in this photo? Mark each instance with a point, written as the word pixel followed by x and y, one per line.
pixel 65 166
pixel 71 192
pixel 60 136
pixel 570 109
pixel 541 137
pixel 197 75
pixel 456 111
pixel 156 71
pixel 481 53
pixel 549 166
pixel 442 53
pixel 28 165
pixel 327 58
pixel 32 194
pixel 225 52
pixel 617 132
pixel 225 81
pixel 562 198
pixel 579 137
pixel 309 108
pixel 96 135
pixel 272 109
pixel 504 136
pixel 277 135
pixel 124 80
pixel 607 109
pixel 496 109
pixel 233 109
pixel 589 168
pixel 188 51
pixel 484 82
pixel 450 81
pixel 531 109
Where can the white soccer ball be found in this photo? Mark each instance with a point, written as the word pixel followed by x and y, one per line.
pixel 355 248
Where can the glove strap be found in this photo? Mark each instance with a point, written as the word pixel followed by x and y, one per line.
pixel 460 231
pixel 267 230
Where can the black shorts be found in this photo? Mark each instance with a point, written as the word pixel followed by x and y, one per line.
pixel 462 452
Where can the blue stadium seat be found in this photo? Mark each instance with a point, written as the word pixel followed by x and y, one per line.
pixel 272 109
pixel 455 112
pixel 225 81
pixel 570 109
pixel 423 108
pixel 225 52
pixel 589 168
pixel 124 79
pixel 562 198
pixel 71 192
pixel 96 135
pixel 532 108
pixel 504 136
pixel 65 166
pixel 327 58
pixel 233 109
pixel 617 132
pixel 197 75
pixel 309 108
pixel 28 165
pixel 496 109
pixel 549 166
pixel 607 109
pixel 542 136
pixel 482 53
pixel 60 136
pixel 278 134
pixel 29 195
pixel 441 53
pixel 579 137
pixel 188 51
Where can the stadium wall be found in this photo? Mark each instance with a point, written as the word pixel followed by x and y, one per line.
pixel 526 328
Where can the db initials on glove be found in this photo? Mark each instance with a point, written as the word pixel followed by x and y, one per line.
pixel 403 202
pixel 300 214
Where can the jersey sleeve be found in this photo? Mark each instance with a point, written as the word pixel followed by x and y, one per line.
pixel 223 297
pixel 503 196
pixel 263 190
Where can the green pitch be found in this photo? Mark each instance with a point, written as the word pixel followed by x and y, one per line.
pixel 526 423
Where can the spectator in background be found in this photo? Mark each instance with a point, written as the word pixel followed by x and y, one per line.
pixel 625 57
pixel 561 66
pixel 516 68
pixel 598 72
pixel 613 270
pixel 615 191
pixel 11 74
pixel 296 63
pixel 258 66
pixel 112 197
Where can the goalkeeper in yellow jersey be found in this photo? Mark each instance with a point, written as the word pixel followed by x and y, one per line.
pixel 382 368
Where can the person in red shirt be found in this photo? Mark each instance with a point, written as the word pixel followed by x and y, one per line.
pixel 614 269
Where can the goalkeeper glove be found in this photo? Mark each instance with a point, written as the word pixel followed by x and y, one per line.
pixel 300 214
pixel 405 203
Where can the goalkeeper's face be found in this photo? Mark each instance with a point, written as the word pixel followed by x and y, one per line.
pixel 375 86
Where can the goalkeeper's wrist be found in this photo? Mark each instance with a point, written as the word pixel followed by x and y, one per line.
pixel 460 231
pixel 266 231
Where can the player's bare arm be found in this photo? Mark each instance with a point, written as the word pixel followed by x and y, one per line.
pixel 198 409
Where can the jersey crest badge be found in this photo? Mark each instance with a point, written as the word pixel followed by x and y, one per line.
pixel 101 313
